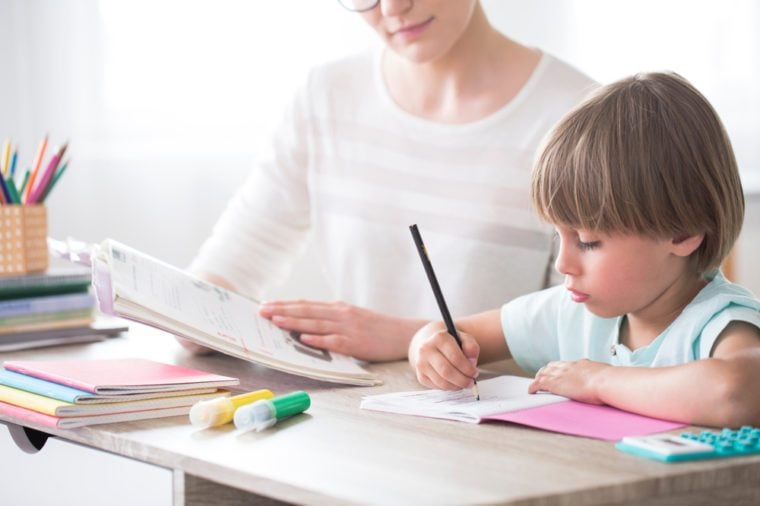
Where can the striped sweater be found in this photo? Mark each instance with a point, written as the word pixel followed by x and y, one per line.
pixel 350 170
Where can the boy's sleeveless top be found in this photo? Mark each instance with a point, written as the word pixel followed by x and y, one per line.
pixel 548 325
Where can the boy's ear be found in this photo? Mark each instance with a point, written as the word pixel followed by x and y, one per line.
pixel 684 246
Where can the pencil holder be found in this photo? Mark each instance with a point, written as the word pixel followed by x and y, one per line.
pixel 23 239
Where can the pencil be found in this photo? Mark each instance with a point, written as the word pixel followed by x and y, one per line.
pixel 6 193
pixel 14 159
pixel 13 190
pixel 45 176
pixel 35 168
pixel 450 328
pixel 24 182
pixel 6 157
pixel 54 181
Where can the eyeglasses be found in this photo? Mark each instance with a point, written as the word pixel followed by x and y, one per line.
pixel 359 5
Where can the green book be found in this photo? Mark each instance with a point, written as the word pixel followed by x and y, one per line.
pixel 66 278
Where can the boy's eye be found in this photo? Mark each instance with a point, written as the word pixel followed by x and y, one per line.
pixel 586 246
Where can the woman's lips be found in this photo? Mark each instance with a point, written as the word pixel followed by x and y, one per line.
pixel 578 296
pixel 412 31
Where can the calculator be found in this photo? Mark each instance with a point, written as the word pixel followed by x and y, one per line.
pixel 707 444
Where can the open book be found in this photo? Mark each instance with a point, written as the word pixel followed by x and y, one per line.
pixel 506 398
pixel 136 286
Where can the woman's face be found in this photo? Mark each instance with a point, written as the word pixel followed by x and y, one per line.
pixel 421 30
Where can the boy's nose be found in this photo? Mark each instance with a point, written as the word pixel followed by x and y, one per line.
pixel 564 263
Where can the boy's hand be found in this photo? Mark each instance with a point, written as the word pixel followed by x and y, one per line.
pixel 439 362
pixel 578 380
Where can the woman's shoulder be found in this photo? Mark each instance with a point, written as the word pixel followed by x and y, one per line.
pixel 343 72
pixel 558 78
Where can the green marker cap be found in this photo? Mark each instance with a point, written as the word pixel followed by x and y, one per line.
pixel 291 404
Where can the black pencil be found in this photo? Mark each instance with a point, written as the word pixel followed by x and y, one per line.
pixel 450 328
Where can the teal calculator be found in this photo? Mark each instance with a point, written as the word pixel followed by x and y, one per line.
pixel 693 446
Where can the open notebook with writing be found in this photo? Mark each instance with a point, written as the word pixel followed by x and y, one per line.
pixel 506 398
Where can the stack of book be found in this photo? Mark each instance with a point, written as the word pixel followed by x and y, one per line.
pixel 74 393
pixel 53 307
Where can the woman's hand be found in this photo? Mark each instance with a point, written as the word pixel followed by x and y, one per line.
pixel 577 380
pixel 438 360
pixel 343 328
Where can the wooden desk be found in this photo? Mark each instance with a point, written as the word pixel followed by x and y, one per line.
pixel 339 454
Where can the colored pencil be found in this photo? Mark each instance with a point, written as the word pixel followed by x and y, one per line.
pixel 35 167
pixel 4 188
pixel 54 181
pixel 46 176
pixel 13 191
pixel 24 182
pixel 14 159
pixel 6 160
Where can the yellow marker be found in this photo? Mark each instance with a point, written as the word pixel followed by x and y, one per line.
pixel 219 411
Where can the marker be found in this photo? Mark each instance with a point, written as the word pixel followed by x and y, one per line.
pixel 213 412
pixel 264 413
pixel 450 328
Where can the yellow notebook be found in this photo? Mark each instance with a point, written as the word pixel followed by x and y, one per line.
pixel 54 407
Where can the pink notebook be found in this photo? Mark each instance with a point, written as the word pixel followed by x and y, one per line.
pixel 120 376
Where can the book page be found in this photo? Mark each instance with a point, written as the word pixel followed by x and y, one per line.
pixel 497 395
pixel 156 293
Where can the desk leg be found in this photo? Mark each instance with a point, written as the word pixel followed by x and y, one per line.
pixel 191 490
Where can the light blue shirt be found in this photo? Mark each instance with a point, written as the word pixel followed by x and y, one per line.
pixel 547 325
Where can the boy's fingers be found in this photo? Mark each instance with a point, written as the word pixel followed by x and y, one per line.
pixel 470 346
pixel 459 361
pixel 451 376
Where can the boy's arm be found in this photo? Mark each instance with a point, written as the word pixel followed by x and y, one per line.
pixel 718 391
pixel 440 363
pixel 486 329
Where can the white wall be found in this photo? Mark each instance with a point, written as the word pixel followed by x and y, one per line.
pixel 165 101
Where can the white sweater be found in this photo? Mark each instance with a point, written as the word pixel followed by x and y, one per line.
pixel 351 167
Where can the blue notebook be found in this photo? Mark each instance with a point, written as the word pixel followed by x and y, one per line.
pixel 76 396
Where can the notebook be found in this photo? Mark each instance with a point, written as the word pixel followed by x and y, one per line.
pixel 60 278
pixel 506 398
pixel 76 396
pixel 35 417
pixel 55 407
pixel 120 376
pixel 99 330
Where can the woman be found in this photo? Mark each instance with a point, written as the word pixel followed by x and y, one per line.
pixel 437 128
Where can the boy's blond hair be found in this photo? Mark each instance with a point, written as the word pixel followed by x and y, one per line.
pixel 645 155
